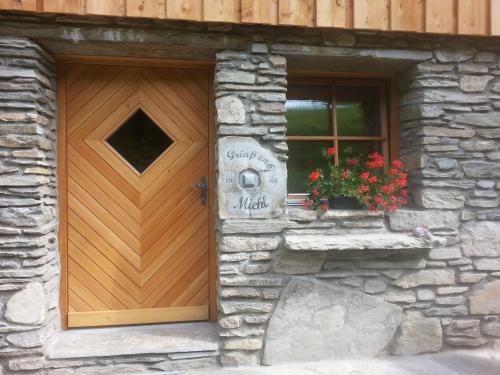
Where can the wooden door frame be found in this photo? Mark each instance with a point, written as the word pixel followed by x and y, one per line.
pixel 62 173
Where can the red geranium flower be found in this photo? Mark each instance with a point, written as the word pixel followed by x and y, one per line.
pixel 314 175
pixel 315 192
pixel 352 161
pixel 345 174
pixel 388 189
pixel 373 180
pixel 324 207
pixel 397 164
pixel 331 151
pixel 364 175
pixel 363 189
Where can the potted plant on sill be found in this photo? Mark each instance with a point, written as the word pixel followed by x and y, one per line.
pixel 358 184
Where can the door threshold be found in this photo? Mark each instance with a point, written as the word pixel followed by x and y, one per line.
pixel 194 338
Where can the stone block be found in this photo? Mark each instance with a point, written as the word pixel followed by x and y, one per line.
pixel 27 306
pixel 230 110
pixel 445 253
pixel 235 358
pixel 401 296
pixel 242 344
pixel 491 329
pixel 481 169
pixel 481 120
pixel 447 311
pixel 235 77
pixel 230 322
pixel 471 277
pixel 452 300
pixel 228 307
pixel 298 263
pixel 407 220
pixel 242 244
pixel 28 339
pixel 439 199
pixel 487 264
pixel 434 131
pixel 475 83
pixel 426 277
pixel 26 364
pixel 477 145
pixel 465 328
pixel 332 312
pixel 452 289
pixel 425 295
pixel 464 341
pixel 418 335
pixel 455 51
pixel 481 239
pixel 373 286
pixel 486 300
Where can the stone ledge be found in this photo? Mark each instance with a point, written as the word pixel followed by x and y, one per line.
pixel 385 242
pixel 126 341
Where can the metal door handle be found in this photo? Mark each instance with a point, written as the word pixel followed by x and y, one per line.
pixel 203 188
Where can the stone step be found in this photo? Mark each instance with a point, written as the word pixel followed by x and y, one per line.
pixel 182 340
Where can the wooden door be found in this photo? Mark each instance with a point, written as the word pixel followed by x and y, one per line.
pixel 136 241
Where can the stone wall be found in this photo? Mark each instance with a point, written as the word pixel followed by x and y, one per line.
pixel 29 272
pixel 301 285
pixel 342 283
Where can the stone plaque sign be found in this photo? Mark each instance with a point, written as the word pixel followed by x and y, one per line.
pixel 252 182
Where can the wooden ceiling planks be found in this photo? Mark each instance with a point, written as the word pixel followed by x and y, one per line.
pixel 464 17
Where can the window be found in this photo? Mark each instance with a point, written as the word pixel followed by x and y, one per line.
pixel 350 115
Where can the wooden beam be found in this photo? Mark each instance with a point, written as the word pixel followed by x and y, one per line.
pixel 222 11
pixel 28 5
pixel 185 9
pixel 259 11
pixel 63 6
pixel 408 15
pixel 473 17
pixel 106 8
pixel 440 16
pixel 297 12
pixel 371 14
pixel 333 13
pixel 146 8
pixel 495 17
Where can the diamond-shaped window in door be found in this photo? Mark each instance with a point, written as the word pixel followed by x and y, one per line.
pixel 140 141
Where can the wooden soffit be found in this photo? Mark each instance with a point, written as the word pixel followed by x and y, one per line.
pixel 455 17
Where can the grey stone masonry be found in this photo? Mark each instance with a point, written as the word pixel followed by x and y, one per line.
pixel 250 90
pixel 29 271
pixel 274 267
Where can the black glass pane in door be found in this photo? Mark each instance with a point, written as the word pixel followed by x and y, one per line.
pixel 140 141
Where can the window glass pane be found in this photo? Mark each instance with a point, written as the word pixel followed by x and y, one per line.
pixel 357 150
pixel 304 157
pixel 358 111
pixel 140 141
pixel 308 111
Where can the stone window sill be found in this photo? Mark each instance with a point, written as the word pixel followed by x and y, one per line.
pixel 301 214
pixel 348 233
pixel 379 243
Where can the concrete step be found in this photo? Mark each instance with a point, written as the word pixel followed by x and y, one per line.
pixel 180 341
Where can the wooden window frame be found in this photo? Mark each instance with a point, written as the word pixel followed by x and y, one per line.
pixel 389 122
